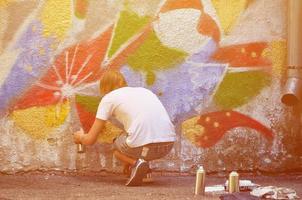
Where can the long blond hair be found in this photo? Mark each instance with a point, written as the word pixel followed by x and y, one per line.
pixel 111 80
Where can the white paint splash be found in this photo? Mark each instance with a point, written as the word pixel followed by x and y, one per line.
pixel 177 29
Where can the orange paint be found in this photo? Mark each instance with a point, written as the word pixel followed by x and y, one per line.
pixel 180 4
pixel 243 55
pixel 207 26
pixel 81 8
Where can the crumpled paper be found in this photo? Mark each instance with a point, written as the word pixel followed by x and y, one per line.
pixel 273 192
pixel 244 185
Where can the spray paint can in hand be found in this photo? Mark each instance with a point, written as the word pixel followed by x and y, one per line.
pixel 81 147
pixel 200 181
pixel 75 126
pixel 233 183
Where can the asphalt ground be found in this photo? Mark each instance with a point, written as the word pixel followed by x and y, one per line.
pixel 54 185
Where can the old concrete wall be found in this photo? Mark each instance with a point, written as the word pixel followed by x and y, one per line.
pixel 217 65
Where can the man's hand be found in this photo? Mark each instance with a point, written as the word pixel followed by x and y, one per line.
pixel 77 136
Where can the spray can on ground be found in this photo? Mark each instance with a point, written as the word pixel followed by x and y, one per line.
pixel 233 183
pixel 200 181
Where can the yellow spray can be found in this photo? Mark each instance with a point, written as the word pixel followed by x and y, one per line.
pixel 200 181
pixel 233 183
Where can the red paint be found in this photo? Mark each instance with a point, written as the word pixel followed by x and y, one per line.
pixel 243 55
pixel 86 118
pixel 39 96
pixel 224 121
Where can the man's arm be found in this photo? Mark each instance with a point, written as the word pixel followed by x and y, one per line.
pixel 91 136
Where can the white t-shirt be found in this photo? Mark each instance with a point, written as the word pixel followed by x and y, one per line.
pixel 140 112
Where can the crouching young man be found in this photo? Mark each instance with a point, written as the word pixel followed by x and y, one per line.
pixel 149 131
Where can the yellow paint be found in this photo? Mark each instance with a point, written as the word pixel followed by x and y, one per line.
pixel 216 124
pixel 142 8
pixel 190 129
pixel 109 133
pixel 54 45
pixel 28 68
pixel 4 3
pixel 277 52
pixel 7 60
pixel 253 54
pixel 41 51
pixel 56 17
pixel 34 28
pixel 39 122
pixel 228 11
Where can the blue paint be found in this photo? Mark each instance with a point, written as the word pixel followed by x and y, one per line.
pixel 19 79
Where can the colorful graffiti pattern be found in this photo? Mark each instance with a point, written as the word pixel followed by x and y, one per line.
pixel 185 52
pixel 210 127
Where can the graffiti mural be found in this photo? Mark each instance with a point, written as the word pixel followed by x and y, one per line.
pixel 209 62
pixel 212 126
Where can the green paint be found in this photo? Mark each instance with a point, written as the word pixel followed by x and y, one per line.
pixel 129 24
pixel 152 55
pixel 237 89
pixel 90 103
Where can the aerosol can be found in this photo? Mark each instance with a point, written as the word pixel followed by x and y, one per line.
pixel 233 183
pixel 75 127
pixel 200 181
pixel 81 148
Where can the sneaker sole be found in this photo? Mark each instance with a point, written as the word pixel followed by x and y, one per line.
pixel 148 178
pixel 139 175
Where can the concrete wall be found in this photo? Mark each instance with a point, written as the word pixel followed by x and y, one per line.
pixel 217 65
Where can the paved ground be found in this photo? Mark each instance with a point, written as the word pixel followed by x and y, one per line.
pixel 109 186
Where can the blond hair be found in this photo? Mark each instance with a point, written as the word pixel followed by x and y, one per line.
pixel 111 80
